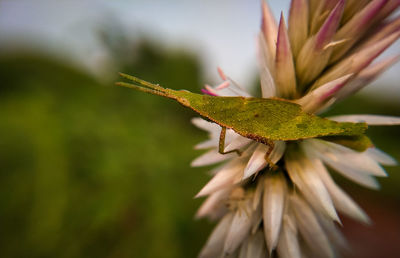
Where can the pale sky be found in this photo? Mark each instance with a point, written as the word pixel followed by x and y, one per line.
pixel 222 33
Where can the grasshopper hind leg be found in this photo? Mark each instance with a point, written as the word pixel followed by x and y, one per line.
pixel 269 143
pixel 267 157
pixel 221 148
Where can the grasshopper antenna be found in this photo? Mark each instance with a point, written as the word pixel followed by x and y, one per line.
pixel 142 82
pixel 144 86
pixel 136 87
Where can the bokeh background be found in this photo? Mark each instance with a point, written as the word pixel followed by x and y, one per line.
pixel 88 169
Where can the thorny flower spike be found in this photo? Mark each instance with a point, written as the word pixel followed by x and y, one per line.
pixel 325 55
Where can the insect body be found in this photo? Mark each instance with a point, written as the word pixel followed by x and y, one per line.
pixel 260 119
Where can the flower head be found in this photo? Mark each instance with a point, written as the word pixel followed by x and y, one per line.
pixel 325 55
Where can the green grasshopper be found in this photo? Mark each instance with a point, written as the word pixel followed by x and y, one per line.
pixel 264 120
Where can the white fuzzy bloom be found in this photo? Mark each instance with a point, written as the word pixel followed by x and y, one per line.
pixel 292 208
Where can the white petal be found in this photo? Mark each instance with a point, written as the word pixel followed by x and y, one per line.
pixel 237 90
pixel 381 157
pixel 278 151
pixel 366 76
pixel 258 193
pixel 355 165
pixel 305 176
pixel 269 30
pixel 229 137
pixel 332 231
pixel 268 87
pixel 369 119
pixel 238 143
pixel 316 99
pixel 355 175
pixel 288 245
pixel 211 157
pixel 213 204
pixel 238 231
pixel 309 227
pixel 205 125
pixel 273 205
pixel 256 246
pixel 214 140
pixel 243 248
pixel 213 247
pixel 341 200
pixel 229 175
pixel 212 143
pixel 214 132
pixel 257 161
pixel 256 218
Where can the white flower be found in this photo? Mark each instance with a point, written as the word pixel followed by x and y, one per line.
pixel 325 55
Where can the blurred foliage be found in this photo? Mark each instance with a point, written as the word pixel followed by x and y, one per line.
pixel 91 170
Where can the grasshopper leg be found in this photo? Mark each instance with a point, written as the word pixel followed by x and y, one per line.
pixel 270 145
pixel 222 143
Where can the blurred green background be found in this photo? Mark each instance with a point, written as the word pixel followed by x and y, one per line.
pixel 92 170
pixel 88 169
